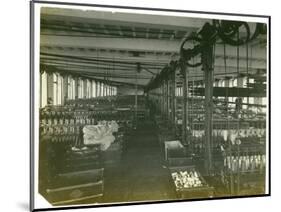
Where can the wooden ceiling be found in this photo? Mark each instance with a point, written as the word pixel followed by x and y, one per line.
pixel 111 45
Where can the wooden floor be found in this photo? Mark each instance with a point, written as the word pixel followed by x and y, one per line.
pixel 140 176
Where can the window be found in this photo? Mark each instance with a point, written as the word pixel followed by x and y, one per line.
pixel 80 88
pixel 110 90
pixel 88 89
pixel 231 83
pixel 264 100
pixel 57 88
pixel 113 91
pixel 101 89
pixel 244 100
pixel 104 90
pixel 60 84
pixel 245 82
pixel 94 89
pixel 251 100
pixel 73 85
pixel 44 89
pixel 69 88
pixel 221 83
pixel 98 89
pixel 235 83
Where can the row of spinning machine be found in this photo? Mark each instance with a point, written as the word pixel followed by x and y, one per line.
pixel 78 142
pixel 217 112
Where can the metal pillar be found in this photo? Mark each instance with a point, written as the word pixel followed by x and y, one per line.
pixel 161 98
pixel 136 101
pixel 64 89
pixel 173 94
pixel 76 87
pixel 167 96
pixel 184 99
pixel 50 87
pixel 207 65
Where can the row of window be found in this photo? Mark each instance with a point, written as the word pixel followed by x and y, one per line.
pixel 234 82
pixel 219 83
pixel 55 88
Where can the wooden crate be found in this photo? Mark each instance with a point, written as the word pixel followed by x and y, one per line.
pixel 174 146
pixel 180 161
pixel 204 191
pixel 72 187
pixel 73 194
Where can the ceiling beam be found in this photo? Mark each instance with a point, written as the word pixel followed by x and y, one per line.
pixel 68 58
pixel 141 82
pixel 218 69
pixel 120 31
pixel 160 34
pixel 124 19
pixel 134 32
pixel 141 45
pixel 172 37
pixel 105 30
pixel 130 44
pixel 94 64
pixel 118 56
pixel 101 69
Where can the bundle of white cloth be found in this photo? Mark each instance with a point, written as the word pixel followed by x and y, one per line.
pixel 100 134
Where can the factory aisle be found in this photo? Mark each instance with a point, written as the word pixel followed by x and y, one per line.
pixel 141 176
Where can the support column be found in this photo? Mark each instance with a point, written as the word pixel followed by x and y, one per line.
pixel 207 62
pixel 226 86
pixel 136 100
pixel 163 98
pixel 90 89
pixel 167 97
pixel 97 88
pixel 173 94
pixel 84 89
pixel 184 101
pixel 76 79
pixel 104 89
pixel 64 89
pixel 50 88
pixel 43 88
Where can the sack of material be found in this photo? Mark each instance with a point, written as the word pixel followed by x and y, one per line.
pixel 98 134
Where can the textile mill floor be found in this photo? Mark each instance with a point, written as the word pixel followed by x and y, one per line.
pixel 140 176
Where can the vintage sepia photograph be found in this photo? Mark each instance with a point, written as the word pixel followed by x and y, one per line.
pixel 135 105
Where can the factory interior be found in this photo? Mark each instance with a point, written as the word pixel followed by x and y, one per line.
pixel 150 107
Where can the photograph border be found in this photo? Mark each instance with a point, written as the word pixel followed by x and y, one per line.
pixel 31 106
